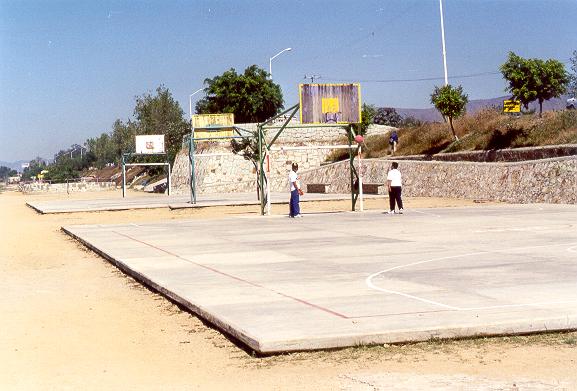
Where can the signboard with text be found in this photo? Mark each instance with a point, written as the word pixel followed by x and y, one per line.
pixel 511 106
pixel 213 125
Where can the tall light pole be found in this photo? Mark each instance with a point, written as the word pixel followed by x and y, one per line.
pixel 443 41
pixel 273 57
pixel 190 101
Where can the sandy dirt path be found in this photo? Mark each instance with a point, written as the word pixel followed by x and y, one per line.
pixel 70 320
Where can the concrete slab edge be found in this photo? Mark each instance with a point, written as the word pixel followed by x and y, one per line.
pixel 424 335
pixel 227 328
pixel 35 208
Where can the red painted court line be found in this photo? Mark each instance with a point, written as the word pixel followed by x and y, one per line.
pixel 397 314
pixel 235 277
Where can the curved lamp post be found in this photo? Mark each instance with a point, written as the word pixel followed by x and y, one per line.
pixel 273 57
pixel 190 100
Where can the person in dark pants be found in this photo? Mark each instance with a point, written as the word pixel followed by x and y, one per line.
pixel 394 183
pixel 296 192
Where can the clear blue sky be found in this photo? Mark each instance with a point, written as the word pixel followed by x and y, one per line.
pixel 68 69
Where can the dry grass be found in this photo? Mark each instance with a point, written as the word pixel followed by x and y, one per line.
pixel 485 130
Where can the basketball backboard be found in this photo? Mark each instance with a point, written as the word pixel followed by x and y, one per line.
pixel 330 103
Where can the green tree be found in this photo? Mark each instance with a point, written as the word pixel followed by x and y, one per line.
pixel 572 86
pixel 387 116
pixel 6 172
pixel 534 79
pixel 368 113
pixel 102 150
pixel 34 168
pixel 451 103
pixel 123 137
pixel 161 114
pixel 251 96
pixel 248 148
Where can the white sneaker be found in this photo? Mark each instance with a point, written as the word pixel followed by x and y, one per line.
pixel 400 211
pixel 298 216
pixel 391 212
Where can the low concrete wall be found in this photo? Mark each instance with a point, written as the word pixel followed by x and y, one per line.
pixel 66 187
pixel 547 180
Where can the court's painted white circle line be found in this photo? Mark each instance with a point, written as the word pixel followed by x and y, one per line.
pixel 369 280
pixel 370 284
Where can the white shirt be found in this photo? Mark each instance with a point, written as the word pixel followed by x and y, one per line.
pixel 293 177
pixel 395 177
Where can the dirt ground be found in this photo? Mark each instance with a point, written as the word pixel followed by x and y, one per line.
pixel 70 320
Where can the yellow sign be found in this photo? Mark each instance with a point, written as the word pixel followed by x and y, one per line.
pixel 212 120
pixel 330 105
pixel 213 125
pixel 511 106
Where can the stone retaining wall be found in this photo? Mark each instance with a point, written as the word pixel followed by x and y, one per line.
pixel 551 180
pixel 232 173
pixel 547 180
pixel 66 187
pixel 501 155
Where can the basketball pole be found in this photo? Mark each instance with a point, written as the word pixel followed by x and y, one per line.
pixel 362 205
pixel 268 182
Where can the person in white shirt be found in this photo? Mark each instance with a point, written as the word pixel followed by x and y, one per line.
pixel 394 183
pixel 296 192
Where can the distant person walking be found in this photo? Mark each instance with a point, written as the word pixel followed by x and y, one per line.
pixel 296 192
pixel 393 141
pixel 394 184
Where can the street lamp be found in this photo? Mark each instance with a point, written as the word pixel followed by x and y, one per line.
pixel 443 41
pixel 273 57
pixel 190 100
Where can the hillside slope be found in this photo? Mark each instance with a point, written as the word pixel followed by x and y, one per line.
pixel 488 129
pixel 474 106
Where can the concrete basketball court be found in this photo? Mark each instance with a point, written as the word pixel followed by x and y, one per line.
pixel 172 202
pixel 344 279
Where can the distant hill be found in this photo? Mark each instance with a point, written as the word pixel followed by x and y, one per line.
pixel 432 115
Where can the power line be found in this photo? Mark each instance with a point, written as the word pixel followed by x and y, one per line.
pixel 465 76
pixel 412 80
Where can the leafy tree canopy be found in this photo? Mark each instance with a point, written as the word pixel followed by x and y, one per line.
pixel 251 96
pixel 153 114
pixel 34 168
pixel 451 103
pixel 368 113
pixel 387 116
pixel 534 79
pixel 6 172
pixel 160 114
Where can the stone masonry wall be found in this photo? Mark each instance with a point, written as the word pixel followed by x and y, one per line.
pixel 232 173
pixel 552 180
pixel 547 180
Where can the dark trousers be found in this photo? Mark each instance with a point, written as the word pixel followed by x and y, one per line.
pixel 294 206
pixel 395 196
